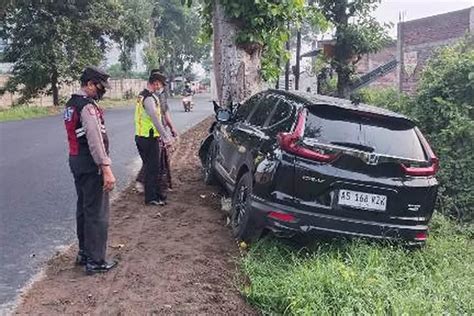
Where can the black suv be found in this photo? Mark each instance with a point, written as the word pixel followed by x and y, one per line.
pixel 300 163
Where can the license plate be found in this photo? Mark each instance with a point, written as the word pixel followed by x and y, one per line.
pixel 363 200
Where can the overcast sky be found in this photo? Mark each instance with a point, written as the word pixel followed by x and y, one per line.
pixel 389 10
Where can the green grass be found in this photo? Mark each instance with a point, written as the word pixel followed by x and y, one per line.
pixel 360 277
pixel 26 112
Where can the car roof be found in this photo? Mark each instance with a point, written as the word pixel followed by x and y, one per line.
pixel 318 99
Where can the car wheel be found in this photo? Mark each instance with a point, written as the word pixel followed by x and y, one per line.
pixel 242 228
pixel 209 173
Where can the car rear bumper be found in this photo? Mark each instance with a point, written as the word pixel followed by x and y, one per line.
pixel 305 222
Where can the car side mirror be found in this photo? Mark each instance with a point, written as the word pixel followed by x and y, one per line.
pixel 223 115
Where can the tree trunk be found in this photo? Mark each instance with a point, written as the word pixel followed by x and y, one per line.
pixel 287 67
pixel 277 85
pixel 236 68
pixel 342 53
pixel 297 66
pixel 55 88
pixel 343 83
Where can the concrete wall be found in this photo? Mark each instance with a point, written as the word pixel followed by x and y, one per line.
pixel 119 88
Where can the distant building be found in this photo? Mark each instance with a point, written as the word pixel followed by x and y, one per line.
pixel 401 63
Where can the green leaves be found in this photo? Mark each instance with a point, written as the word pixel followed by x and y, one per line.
pixel 357 34
pixel 50 42
pixel 444 110
pixel 444 107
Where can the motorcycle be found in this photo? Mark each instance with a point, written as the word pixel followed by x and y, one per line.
pixel 187 103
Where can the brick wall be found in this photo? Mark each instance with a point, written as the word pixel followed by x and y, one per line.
pixel 418 40
pixel 371 61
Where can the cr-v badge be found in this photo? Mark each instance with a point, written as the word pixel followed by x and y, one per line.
pixel 312 179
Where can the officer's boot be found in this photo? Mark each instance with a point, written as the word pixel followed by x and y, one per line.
pixel 93 267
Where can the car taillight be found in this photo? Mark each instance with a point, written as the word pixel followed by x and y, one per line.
pixel 430 170
pixel 280 216
pixel 421 236
pixel 289 143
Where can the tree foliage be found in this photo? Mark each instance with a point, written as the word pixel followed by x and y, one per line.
pixel 263 24
pixel 131 27
pixel 50 42
pixel 175 43
pixel 444 107
pixel 357 33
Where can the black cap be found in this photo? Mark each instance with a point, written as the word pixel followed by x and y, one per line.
pixel 95 74
pixel 155 74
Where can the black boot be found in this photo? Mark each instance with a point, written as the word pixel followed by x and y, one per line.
pixel 81 258
pixel 99 267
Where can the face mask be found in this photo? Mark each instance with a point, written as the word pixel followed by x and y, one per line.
pixel 100 93
pixel 160 91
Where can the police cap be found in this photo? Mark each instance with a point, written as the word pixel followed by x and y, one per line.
pixel 95 74
pixel 155 74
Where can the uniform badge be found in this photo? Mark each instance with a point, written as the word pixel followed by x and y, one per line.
pixel 68 113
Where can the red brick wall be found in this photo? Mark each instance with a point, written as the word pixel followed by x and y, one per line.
pixel 371 61
pixel 420 38
pixel 417 41
pixel 436 28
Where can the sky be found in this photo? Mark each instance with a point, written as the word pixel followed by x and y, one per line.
pixel 389 10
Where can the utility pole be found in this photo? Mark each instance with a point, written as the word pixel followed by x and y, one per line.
pixel 298 53
pixel 287 66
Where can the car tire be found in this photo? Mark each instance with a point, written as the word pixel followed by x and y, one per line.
pixel 208 168
pixel 242 226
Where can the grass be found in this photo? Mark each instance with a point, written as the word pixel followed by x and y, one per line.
pixel 27 112
pixel 360 277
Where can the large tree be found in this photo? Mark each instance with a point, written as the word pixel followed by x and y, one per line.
pixel 174 45
pixel 248 41
pixel 132 26
pixel 50 42
pixel 356 33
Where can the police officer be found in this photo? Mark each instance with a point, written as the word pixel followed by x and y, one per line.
pixel 149 135
pixel 165 175
pixel 90 165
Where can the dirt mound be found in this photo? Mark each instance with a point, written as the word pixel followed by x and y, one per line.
pixel 178 259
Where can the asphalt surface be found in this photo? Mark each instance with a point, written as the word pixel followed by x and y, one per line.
pixel 37 196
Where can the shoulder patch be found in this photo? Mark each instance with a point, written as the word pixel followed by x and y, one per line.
pixel 68 111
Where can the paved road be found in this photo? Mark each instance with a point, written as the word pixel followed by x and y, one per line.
pixel 37 191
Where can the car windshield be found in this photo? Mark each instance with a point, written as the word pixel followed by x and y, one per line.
pixel 363 131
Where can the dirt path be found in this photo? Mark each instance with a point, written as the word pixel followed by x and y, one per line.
pixel 179 259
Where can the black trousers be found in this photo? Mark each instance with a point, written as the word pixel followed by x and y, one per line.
pixel 149 149
pixel 92 215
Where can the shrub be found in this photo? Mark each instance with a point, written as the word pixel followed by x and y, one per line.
pixel 388 98
pixel 444 108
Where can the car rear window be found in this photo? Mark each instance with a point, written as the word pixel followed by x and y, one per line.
pixel 363 131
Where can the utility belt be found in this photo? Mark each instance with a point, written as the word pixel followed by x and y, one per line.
pixel 151 134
